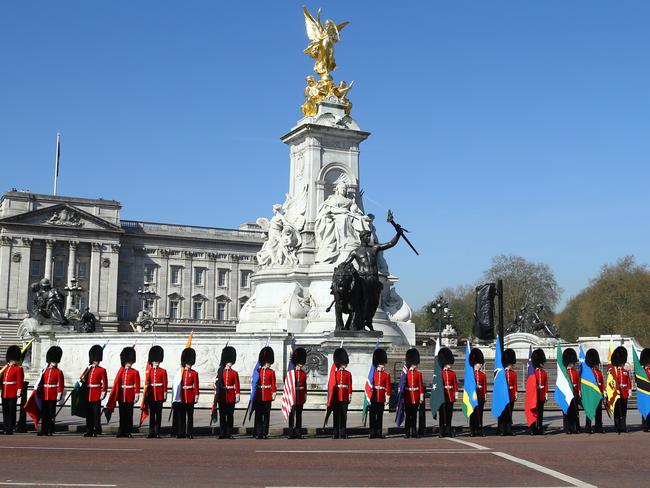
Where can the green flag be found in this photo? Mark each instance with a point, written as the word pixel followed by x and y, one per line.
pixel 79 400
pixel 437 388
pixel 591 394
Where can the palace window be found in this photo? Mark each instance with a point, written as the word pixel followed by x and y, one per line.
pixel 82 270
pixel 175 275
pixel 123 309
pixel 222 278
pixel 149 273
pixel 125 272
pixel 198 311
pixel 35 268
pixel 245 279
pixel 173 309
pixel 59 268
pixel 198 277
pixel 221 311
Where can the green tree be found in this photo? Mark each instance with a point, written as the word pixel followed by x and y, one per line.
pixel 461 306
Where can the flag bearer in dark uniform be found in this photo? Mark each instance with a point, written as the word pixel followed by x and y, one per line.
pixel 380 393
pixel 538 358
pixel 157 383
pixel 52 385
pixel 12 378
pixel 228 392
pixel 476 360
pixel 342 394
pixel 128 391
pixel 265 393
pixel 97 385
pixel 644 359
pixel 508 360
pixel 624 385
pixel 189 394
pixel 413 393
pixel 299 358
pixel 450 382
pixel 572 417
pixel 592 360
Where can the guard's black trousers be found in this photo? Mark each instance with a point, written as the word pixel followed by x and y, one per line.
pixel 538 427
pixel 620 415
pixel 376 411
pixel 411 419
pixel 295 421
pixel 504 424
pixel 445 415
pixel 340 411
pixel 185 421
pixel 93 418
pixel 476 419
pixel 262 419
pixel 126 419
pixel 226 418
pixel 598 419
pixel 48 413
pixel 9 414
pixel 570 419
pixel 155 417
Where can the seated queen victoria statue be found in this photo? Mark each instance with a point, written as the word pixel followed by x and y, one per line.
pixel 338 225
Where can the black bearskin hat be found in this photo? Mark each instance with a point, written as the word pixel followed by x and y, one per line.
pixel 228 355
pixel 127 355
pixel 592 358
pixel 54 354
pixel 96 353
pixel 619 356
pixel 476 357
pixel 299 356
pixel 266 356
pixel 538 358
pixel 379 356
pixel 445 357
pixel 188 357
pixel 645 357
pixel 412 357
pixel 156 355
pixel 509 357
pixel 13 353
pixel 569 356
pixel 341 357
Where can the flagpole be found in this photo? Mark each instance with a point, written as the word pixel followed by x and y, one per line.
pixel 56 160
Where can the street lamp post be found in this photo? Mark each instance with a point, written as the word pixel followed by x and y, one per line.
pixel 440 310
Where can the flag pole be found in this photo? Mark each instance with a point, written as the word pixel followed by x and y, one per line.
pixel 56 160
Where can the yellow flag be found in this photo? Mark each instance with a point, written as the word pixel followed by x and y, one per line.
pixel 611 390
pixel 189 340
pixel 611 350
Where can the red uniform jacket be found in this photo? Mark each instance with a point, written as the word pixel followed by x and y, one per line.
pixel 229 386
pixel 511 379
pixel 12 380
pixel 97 383
pixel 574 377
pixel 451 385
pixel 127 383
pixel 381 390
pixel 414 387
pixel 266 386
pixel 301 387
pixel 157 383
pixel 599 379
pixel 623 379
pixel 541 380
pixel 190 386
pixel 52 383
pixel 343 386
pixel 481 384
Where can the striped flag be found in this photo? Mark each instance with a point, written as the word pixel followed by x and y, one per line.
pixel 590 394
pixel 642 387
pixel 370 386
pixel 289 392
pixel 563 386
pixel 470 398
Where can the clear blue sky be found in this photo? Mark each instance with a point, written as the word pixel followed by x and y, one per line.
pixel 497 127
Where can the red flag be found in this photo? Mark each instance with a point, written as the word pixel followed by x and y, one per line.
pixel 144 405
pixel 331 384
pixel 33 407
pixel 530 406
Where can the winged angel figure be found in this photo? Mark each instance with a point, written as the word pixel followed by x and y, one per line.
pixel 283 231
pixel 322 40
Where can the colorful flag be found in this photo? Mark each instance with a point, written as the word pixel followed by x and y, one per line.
pixel 369 388
pixel 563 386
pixel 437 385
pixel 401 389
pixel 33 405
pixel 611 388
pixel 530 403
pixel 500 393
pixel 255 378
pixel 590 392
pixel 470 399
pixel 79 396
pixel 289 392
pixel 642 387
pixel 531 368
pixel 144 404
pixel 610 351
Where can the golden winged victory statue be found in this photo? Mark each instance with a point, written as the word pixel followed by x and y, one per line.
pixel 321 48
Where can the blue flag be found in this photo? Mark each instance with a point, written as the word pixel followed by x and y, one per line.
pixel 255 378
pixel 399 416
pixel 500 395
pixel 531 368
pixel 470 398
pixel 581 357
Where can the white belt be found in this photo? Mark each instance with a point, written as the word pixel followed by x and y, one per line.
pixel 342 386
pixel 230 387
pixel 264 386
pixel 449 387
pixel 300 388
pixel 9 382
pixel 380 387
pixel 512 387
pixel 94 386
pixel 413 389
pixel 188 387
pixel 156 384
pixel 50 386
pixel 128 386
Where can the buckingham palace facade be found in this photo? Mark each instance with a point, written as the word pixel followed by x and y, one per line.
pixel 200 276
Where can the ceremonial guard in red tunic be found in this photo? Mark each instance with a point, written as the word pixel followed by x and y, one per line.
pixel 52 389
pixel 476 361
pixel 508 360
pixel 298 358
pixel 380 393
pixel 96 381
pixel 341 393
pixel 265 393
pixel 413 393
pixel 571 419
pixel 227 391
pixel 156 383
pixel 538 358
pixel 11 384
pixel 450 383
pixel 645 362
pixel 592 360
pixel 189 394
pixel 126 390
pixel 623 385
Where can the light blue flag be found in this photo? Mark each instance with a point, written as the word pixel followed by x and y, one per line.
pixel 500 395
pixel 470 398
pixel 581 358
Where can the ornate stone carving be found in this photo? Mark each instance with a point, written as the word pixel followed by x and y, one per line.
pixel 106 262
pixel 97 246
pixel 189 254
pixel 6 240
pixel 212 256
pixel 65 217
pixel 73 244
pixel 165 252
pixel 15 257
pixel 316 361
pixel 115 247
pixel 27 241
pixel 49 243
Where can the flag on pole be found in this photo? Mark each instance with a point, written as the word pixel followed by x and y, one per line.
pixel 610 351
pixel 530 403
pixel 611 388
pixel 531 368
pixel 57 156
pixel 370 386
pixel 500 394
pixel 563 386
pixel 401 389
pixel 642 387
pixel 437 385
pixel 188 343
pixel 590 392
pixel 79 396
pixel 581 358
pixel 331 385
pixel 255 378
pixel 289 391
pixel 34 404
pixel 470 399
